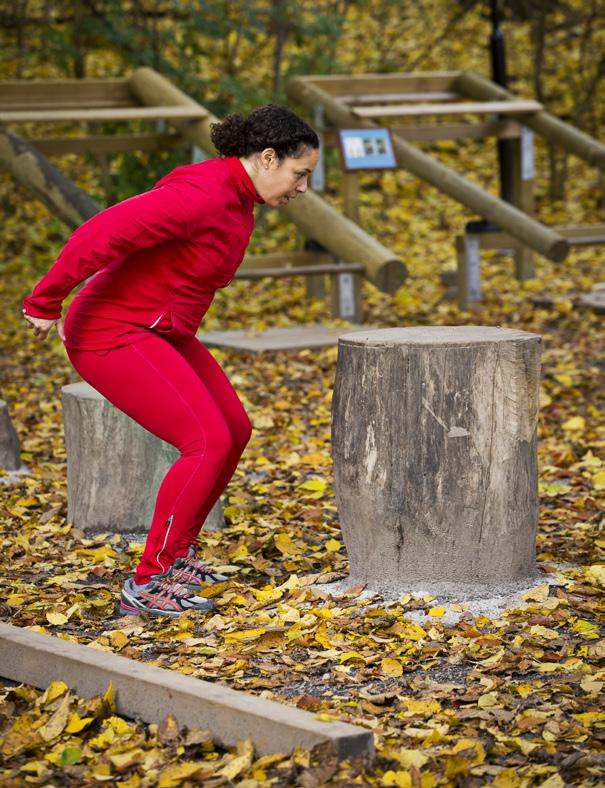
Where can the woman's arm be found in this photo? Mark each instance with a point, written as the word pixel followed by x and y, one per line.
pixel 137 223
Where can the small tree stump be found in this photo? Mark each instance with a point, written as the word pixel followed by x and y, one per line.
pixel 114 466
pixel 10 451
pixel 435 458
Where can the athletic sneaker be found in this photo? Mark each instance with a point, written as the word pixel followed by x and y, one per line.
pixel 189 571
pixel 161 596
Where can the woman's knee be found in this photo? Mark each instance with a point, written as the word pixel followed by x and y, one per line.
pixel 213 437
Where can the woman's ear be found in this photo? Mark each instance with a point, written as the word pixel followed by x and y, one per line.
pixel 267 157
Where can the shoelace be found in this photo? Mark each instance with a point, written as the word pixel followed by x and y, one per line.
pixel 173 589
pixel 195 563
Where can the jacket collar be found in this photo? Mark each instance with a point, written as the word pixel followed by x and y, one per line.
pixel 242 179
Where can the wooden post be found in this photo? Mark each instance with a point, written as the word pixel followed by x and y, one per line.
pixel 102 494
pixel 434 436
pixel 523 195
pixel 468 257
pixel 346 288
pixel 346 297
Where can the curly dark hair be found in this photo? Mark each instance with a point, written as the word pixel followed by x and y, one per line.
pixel 269 126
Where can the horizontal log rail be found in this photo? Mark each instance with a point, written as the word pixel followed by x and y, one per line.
pixel 114 113
pixel 414 132
pixel 107 143
pixel 461 108
pixel 299 270
pixel 369 98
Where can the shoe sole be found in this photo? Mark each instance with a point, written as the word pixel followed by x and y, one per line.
pixel 128 610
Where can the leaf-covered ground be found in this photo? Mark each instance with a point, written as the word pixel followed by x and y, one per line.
pixel 513 701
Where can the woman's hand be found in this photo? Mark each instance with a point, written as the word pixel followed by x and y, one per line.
pixel 41 326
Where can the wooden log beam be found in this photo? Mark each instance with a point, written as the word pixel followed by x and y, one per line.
pixel 84 114
pixel 360 84
pixel 299 270
pixel 253 262
pixel 40 93
pixel 413 132
pixel 30 168
pixel 316 218
pixel 451 108
pixel 107 143
pixel 548 126
pixel 535 235
pixel 373 98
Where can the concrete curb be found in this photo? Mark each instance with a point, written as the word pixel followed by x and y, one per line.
pixel 150 693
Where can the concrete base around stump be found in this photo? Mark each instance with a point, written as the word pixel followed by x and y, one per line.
pixel 114 466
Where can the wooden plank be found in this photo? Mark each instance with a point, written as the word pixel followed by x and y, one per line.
pixel 107 143
pixel 39 93
pixel 477 107
pixel 275 259
pixel 300 270
pixel 360 84
pixel 369 98
pixel 86 115
pixel 506 129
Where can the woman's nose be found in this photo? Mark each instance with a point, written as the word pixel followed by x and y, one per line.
pixel 302 187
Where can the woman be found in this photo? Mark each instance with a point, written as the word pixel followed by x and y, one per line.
pixel 130 331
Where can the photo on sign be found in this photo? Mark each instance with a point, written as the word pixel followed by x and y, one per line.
pixel 366 149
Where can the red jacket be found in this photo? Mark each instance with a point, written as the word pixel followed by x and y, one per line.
pixel 160 257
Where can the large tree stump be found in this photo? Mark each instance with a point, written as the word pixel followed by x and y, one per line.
pixel 435 458
pixel 114 466
pixel 10 451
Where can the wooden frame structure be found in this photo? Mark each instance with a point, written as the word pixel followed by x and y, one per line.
pixel 358 101
pixel 349 253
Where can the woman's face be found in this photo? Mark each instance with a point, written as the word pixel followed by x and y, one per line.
pixel 279 181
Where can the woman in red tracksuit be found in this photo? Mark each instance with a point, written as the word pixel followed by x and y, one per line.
pixel 157 260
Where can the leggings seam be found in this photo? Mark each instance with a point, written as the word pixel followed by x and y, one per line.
pixel 188 407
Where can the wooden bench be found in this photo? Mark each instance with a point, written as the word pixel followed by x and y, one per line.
pixel 345 278
pixel 468 248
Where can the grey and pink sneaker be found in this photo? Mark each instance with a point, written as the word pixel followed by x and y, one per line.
pixel 161 596
pixel 191 572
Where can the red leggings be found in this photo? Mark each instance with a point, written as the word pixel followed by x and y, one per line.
pixel 180 394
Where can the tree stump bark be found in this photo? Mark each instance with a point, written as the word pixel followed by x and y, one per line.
pixel 10 451
pixel 114 466
pixel 435 458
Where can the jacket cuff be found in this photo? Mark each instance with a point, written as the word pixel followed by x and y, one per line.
pixel 49 313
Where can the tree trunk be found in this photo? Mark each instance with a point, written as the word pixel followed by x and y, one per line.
pixel 10 458
pixel 114 466
pixel 435 460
